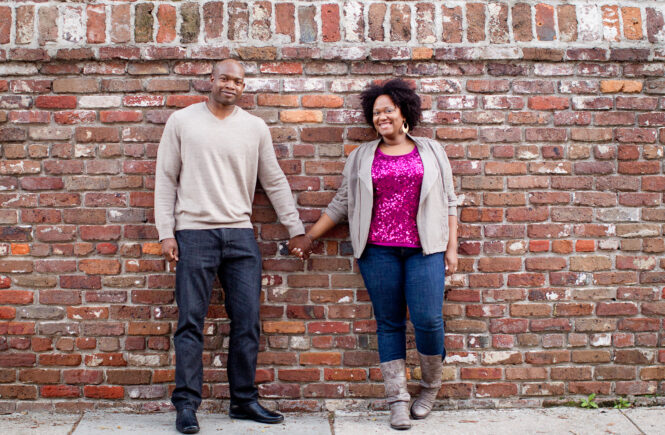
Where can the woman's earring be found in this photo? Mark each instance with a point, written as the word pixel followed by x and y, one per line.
pixel 405 127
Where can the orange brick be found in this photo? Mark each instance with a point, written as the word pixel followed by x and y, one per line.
pixel 20 249
pixel 331 101
pixel 625 86
pixel 277 100
pixel 152 248
pixel 585 246
pixel 562 246
pixel 301 116
pixel 632 23
pixel 421 53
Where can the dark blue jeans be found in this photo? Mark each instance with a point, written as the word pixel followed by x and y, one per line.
pixel 397 278
pixel 233 255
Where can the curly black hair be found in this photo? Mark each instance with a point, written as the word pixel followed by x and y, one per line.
pixel 402 95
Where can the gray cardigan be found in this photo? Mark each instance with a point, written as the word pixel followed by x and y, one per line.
pixel 355 198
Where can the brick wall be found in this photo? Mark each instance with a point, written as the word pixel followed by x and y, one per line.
pixel 553 116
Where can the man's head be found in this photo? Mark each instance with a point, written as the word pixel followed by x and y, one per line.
pixel 228 82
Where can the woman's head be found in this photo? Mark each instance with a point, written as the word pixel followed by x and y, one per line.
pixel 389 105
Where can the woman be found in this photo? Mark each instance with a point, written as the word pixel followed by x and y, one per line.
pixel 397 193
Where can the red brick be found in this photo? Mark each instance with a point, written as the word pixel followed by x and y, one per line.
pixel 59 359
pixel 498 389
pixel 508 326
pixel 548 103
pixel 330 22
pixel 60 391
pixel 103 392
pixel 320 358
pixel 55 102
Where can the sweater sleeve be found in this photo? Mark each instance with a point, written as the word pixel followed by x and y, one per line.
pixel 277 187
pixel 448 184
pixel 167 173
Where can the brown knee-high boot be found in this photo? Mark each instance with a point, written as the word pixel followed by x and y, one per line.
pixel 394 378
pixel 431 367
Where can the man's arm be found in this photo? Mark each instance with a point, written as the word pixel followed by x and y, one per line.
pixel 167 172
pixel 277 188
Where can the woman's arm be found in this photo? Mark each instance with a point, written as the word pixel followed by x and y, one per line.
pixel 322 226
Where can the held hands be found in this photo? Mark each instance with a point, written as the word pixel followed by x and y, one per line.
pixel 300 246
pixel 451 261
pixel 170 249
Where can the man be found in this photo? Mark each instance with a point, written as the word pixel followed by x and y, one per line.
pixel 208 162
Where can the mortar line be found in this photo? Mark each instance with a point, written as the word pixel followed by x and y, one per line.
pixel 631 420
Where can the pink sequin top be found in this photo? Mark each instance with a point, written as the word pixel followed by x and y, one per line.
pixel 397 181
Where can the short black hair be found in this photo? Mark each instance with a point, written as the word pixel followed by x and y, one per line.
pixel 402 95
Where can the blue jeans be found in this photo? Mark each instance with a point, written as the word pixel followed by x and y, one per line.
pixel 397 278
pixel 233 255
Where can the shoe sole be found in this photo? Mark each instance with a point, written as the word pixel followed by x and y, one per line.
pixel 401 427
pixel 189 430
pixel 244 417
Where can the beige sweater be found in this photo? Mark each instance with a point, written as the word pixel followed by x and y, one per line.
pixel 207 170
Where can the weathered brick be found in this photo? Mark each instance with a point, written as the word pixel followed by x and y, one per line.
pixel 521 18
pixel 47 24
pixel 143 22
pixel 96 25
pixel 120 30
pixel 475 16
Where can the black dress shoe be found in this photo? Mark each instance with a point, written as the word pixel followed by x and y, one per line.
pixel 186 421
pixel 256 412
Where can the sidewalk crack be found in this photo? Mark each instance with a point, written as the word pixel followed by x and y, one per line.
pixel 76 424
pixel 631 420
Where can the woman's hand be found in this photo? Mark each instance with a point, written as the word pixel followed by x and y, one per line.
pixel 301 246
pixel 451 261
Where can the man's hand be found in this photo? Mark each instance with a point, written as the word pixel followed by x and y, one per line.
pixel 300 246
pixel 170 249
pixel 451 261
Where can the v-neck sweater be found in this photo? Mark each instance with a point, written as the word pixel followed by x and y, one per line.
pixel 207 169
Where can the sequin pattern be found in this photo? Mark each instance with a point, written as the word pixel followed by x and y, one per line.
pixel 397 181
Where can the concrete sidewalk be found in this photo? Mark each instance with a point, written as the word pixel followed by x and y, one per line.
pixel 563 420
